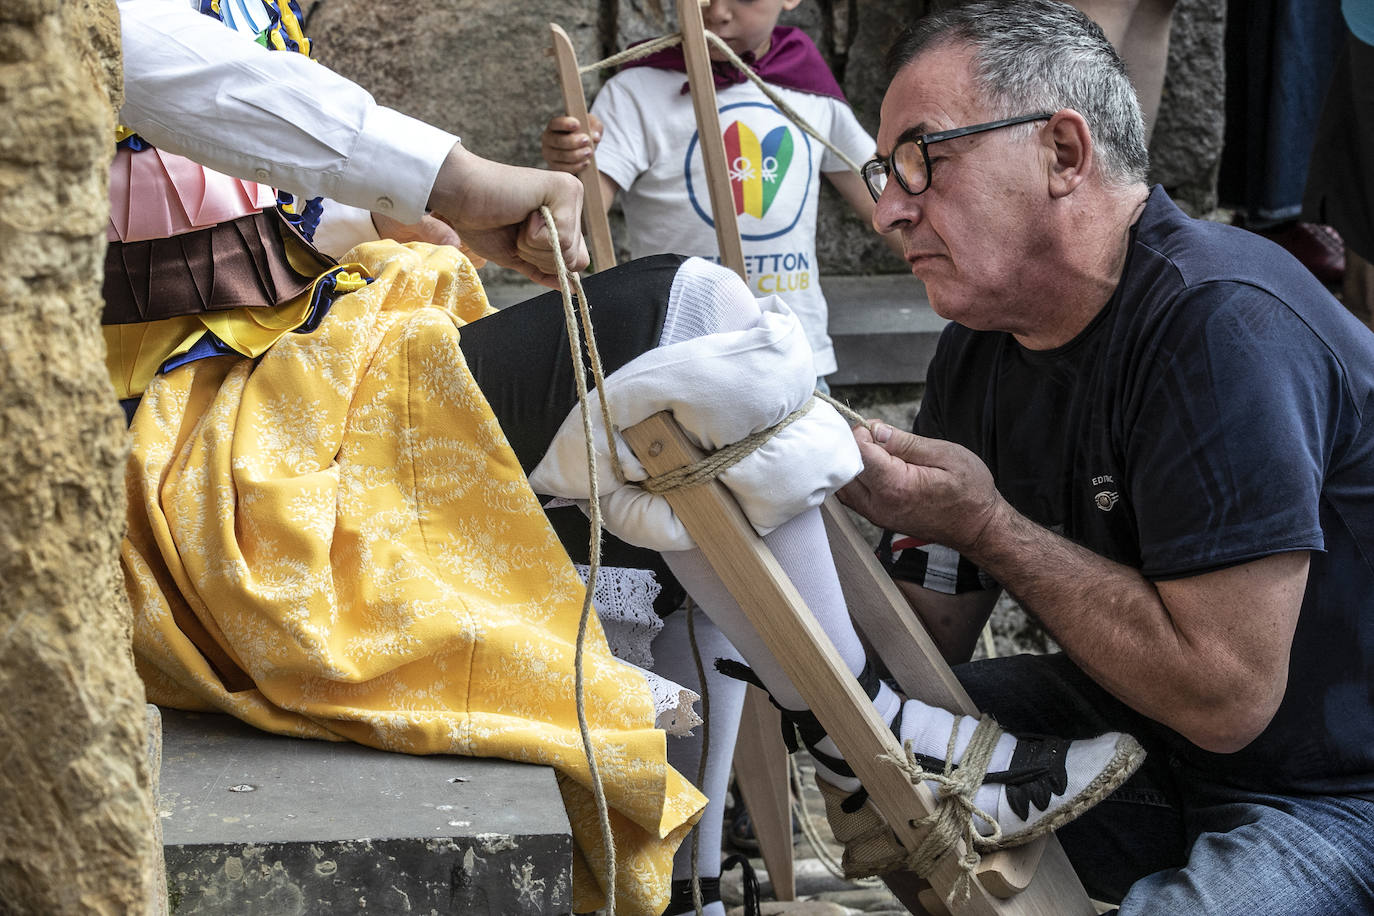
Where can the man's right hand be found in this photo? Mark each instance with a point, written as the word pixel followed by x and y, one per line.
pixel 566 146
pixel 930 489
pixel 495 210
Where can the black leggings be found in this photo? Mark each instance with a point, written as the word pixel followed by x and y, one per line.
pixel 521 361
pixel 520 358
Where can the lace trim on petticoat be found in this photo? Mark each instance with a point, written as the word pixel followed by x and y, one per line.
pixel 624 599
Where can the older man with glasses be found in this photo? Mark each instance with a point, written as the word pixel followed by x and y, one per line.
pixel 1155 432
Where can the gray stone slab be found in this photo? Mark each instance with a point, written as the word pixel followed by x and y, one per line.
pixel 261 825
pixel 883 329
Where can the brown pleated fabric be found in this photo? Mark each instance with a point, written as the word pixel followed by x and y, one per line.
pixel 243 263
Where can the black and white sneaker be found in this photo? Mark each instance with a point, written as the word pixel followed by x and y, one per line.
pixel 1048 783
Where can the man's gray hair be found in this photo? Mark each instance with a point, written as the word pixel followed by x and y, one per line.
pixel 1042 55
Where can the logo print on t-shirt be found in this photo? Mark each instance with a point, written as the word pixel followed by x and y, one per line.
pixel 1106 500
pixel 756 169
pixel 770 178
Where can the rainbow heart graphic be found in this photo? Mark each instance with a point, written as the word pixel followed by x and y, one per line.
pixel 756 169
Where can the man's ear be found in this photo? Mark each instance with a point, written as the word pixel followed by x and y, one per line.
pixel 791 4
pixel 1072 151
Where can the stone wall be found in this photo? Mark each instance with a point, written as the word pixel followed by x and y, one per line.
pixel 77 830
pixel 1185 151
pixel 480 69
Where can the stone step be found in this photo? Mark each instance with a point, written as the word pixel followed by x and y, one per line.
pixel 883 328
pixel 882 325
pixel 255 823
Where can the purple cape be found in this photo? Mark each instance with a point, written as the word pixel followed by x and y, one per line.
pixel 792 60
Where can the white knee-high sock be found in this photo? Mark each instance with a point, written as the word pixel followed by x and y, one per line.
pixel 804 554
pixel 803 551
pixel 673 659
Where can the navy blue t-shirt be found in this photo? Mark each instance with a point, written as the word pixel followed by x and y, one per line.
pixel 1216 411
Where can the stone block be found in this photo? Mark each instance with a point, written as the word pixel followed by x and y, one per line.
pixel 883 328
pixel 256 824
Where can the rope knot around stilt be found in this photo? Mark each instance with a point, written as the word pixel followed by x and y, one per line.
pixel 722 459
pixel 952 821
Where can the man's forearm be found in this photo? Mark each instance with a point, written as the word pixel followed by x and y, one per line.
pixel 1117 627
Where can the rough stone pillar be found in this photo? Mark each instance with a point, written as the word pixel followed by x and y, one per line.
pixel 76 835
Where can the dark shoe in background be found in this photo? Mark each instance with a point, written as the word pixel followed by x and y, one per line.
pixel 1318 247
pixel 739 832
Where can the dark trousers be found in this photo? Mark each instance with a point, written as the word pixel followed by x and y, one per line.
pixel 1175 839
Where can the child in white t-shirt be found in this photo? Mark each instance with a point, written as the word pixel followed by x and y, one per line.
pixel 647 149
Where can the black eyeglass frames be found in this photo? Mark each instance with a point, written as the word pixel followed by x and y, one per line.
pixel 910 158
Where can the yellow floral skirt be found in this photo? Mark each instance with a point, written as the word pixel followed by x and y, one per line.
pixel 335 541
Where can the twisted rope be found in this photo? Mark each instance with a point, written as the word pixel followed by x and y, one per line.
pixel 644 49
pixel 718 462
pixel 594 546
pixel 952 820
pixel 667 41
pixel 851 416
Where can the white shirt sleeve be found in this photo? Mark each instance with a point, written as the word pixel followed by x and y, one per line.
pixel 193 87
pixel 624 152
pixel 848 135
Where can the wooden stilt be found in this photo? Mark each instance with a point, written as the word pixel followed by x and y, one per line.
pixel 594 223
pixel 703 87
pixel 911 657
pixel 760 766
pixel 760 757
pixel 795 639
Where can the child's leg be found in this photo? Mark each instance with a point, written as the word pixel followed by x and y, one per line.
pixel 803 551
pixel 673 659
